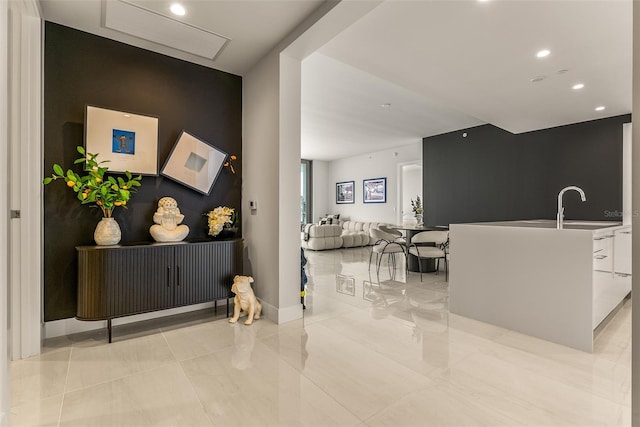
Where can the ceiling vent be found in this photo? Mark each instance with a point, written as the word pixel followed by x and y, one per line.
pixel 145 24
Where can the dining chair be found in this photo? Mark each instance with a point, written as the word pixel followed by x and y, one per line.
pixel 385 243
pixel 399 237
pixel 431 245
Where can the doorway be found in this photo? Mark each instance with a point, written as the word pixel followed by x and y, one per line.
pixel 306 191
pixel 410 187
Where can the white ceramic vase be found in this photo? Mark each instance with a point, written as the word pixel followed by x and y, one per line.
pixel 107 232
pixel 419 218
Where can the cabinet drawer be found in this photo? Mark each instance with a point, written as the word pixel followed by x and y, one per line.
pixel 603 251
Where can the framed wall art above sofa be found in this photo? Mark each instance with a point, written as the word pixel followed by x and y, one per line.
pixel 344 192
pixel 374 190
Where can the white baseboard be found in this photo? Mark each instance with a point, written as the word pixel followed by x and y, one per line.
pixel 282 315
pixel 58 328
pixel 63 327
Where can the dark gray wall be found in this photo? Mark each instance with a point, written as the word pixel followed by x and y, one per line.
pixel 81 69
pixel 494 175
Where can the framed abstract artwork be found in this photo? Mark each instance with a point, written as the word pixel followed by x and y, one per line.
pixel 344 192
pixel 194 163
pixel 374 190
pixel 128 141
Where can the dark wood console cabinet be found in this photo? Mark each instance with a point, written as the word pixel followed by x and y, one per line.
pixel 117 281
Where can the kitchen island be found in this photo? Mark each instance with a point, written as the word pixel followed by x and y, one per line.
pixel 528 276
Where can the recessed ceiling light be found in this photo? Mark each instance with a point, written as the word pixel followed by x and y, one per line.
pixel 577 86
pixel 178 9
pixel 385 105
pixel 600 108
pixel 542 53
pixel 127 115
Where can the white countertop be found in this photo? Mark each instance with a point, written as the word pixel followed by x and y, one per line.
pixel 551 224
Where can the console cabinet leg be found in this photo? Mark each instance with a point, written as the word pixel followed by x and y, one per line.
pixel 109 329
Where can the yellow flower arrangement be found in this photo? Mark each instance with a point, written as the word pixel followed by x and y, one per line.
pixel 220 218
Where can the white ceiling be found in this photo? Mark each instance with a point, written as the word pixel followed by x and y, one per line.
pixel 479 57
pixel 442 65
pixel 343 113
pixel 254 26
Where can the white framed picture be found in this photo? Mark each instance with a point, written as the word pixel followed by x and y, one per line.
pixel 128 141
pixel 194 163
pixel 374 190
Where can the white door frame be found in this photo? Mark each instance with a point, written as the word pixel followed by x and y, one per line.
pixel 24 176
pixel 399 192
pixel 4 220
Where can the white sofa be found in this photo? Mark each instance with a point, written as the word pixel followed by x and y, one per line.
pixel 347 234
pixel 321 237
pixel 356 233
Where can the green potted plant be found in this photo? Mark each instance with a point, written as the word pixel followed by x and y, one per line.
pixel 97 189
pixel 418 210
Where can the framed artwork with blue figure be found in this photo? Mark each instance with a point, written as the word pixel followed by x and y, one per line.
pixel 124 142
pixel 128 141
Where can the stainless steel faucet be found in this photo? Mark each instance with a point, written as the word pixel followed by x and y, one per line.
pixel 560 217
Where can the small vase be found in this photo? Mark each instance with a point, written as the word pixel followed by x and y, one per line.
pixel 107 232
pixel 226 233
pixel 419 219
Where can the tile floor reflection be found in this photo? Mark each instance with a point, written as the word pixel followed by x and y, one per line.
pixel 369 352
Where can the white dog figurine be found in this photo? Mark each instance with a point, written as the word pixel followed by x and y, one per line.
pixel 245 299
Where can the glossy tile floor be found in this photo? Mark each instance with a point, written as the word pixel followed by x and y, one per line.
pixel 366 353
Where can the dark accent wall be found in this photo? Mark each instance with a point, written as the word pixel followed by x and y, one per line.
pixel 81 69
pixel 494 175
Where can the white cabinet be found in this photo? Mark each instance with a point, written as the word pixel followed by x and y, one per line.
pixel 612 270
pixel 603 250
pixel 622 251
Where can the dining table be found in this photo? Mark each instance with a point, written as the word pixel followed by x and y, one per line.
pixel 410 230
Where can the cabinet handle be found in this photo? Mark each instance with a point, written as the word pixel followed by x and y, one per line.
pixel 625 232
pixel 168 276
pixel 603 237
pixel 599 256
pixel 623 274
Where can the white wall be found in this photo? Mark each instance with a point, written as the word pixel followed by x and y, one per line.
pixel 4 222
pixel 260 166
pixel 271 158
pixel 321 199
pixel 289 306
pixel 381 164
pixel 635 220
pixel 627 166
